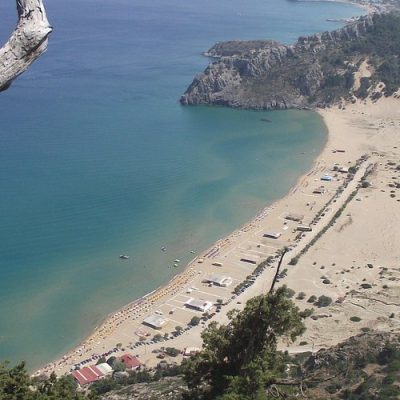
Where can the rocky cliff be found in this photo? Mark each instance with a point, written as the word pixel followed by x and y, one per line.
pixel 271 75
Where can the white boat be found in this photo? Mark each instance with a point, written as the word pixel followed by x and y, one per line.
pixel 123 257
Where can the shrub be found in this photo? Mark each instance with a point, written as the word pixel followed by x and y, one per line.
pixel 301 296
pixel 326 281
pixel 157 337
pixel 365 184
pixel 290 293
pixel 172 351
pixel 312 299
pixel 294 260
pixel 306 313
pixel 323 301
pixel 194 321
pixel 366 286
pixel 355 319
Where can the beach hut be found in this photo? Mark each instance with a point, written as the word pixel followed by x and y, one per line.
pixel 326 178
pixel 217 264
pixel 272 235
pixel 199 305
pixel 219 280
pixel 155 321
pixel 249 259
pixel 319 190
pixel 294 217
pixel 304 228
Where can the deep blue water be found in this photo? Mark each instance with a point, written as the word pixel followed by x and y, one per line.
pixel 97 158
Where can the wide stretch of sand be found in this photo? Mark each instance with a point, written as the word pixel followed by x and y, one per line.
pixel 359 247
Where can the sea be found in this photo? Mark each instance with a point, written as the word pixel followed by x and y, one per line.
pixel 98 158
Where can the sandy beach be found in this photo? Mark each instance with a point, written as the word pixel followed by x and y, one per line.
pixel 351 255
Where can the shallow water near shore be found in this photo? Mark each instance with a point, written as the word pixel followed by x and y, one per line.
pixel 97 158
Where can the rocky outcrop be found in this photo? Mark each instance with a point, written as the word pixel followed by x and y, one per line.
pixel 268 74
pixel 27 42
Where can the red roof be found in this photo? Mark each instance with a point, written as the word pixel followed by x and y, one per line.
pixel 130 361
pixel 87 375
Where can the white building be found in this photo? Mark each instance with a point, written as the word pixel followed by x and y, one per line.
pixel 199 305
pixel 105 368
pixel 155 321
pixel 219 280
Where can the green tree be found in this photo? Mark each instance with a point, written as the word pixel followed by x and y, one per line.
pixel 239 359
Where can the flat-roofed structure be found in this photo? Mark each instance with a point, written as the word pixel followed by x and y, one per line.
pixel 326 177
pixel 199 305
pixel 155 321
pixel 272 235
pixel 294 217
pixel 87 375
pixel 219 280
pixel 304 228
pixel 249 260
pixel 319 190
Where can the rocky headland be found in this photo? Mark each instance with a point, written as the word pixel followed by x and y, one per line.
pixel 316 71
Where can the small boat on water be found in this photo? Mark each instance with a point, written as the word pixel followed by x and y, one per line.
pixel 163 248
pixel 177 261
pixel 123 257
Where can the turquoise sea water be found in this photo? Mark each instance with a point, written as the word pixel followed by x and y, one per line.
pixel 97 158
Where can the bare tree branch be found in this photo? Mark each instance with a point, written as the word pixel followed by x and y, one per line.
pixel 284 251
pixel 27 43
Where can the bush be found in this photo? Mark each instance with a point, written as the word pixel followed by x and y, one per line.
pixel 355 319
pixel 172 351
pixel 294 260
pixel 323 301
pixel 301 296
pixel 312 299
pixel 290 293
pixel 366 286
pixel 306 313
pixel 194 321
pixel 326 281
pixel 365 184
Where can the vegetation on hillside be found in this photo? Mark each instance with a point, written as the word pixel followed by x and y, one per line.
pixel 380 47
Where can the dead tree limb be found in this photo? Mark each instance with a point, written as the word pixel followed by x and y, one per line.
pixel 27 43
pixel 284 251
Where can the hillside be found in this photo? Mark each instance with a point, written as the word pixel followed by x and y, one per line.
pixel 316 71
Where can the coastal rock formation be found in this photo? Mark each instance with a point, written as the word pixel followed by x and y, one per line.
pixel 271 75
pixel 27 42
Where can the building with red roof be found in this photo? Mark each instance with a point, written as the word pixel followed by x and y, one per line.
pixel 87 375
pixel 130 361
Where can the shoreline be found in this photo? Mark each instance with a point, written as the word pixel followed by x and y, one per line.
pixel 217 244
pixel 150 301
pixel 122 325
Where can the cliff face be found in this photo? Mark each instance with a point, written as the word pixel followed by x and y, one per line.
pixel 270 75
